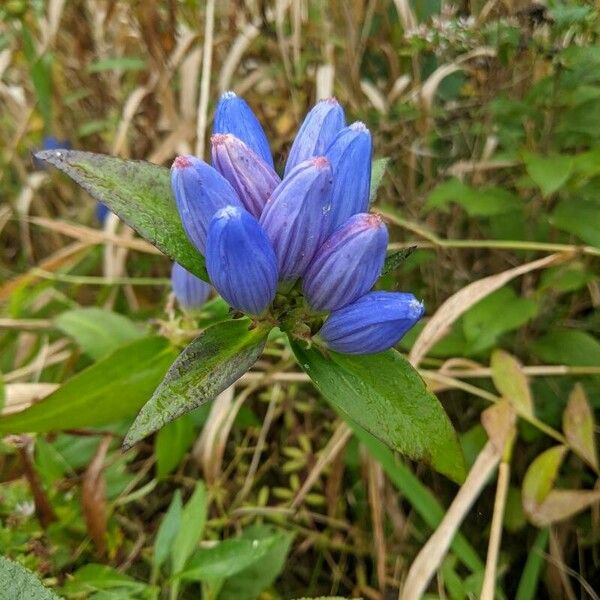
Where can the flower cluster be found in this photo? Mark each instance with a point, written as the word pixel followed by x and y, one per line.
pixel 301 251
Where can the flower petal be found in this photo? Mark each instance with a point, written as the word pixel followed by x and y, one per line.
pixel 296 218
pixel 350 157
pixel 240 260
pixel 373 323
pixel 249 175
pixel 348 264
pixel 233 115
pixel 200 191
pixel 190 291
pixel 316 133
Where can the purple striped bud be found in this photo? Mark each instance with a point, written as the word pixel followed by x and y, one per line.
pixel 373 323
pixel 233 115
pixel 350 157
pixel 190 291
pixel 296 218
pixel 240 260
pixel 200 191
pixel 249 175
pixel 318 130
pixel 347 265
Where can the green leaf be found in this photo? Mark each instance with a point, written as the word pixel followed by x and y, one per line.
pixel 193 519
pixel 96 331
pixel 93 578
pixel 384 394
pixel 549 173
pixel 478 202
pixel 579 217
pixel 226 558
pixel 378 168
pixel 510 381
pixel 120 63
pixel 395 259
pixel 139 192
pixel 167 531
pixel 569 347
pixel 172 442
pixel 18 583
pixel 249 583
pixel 210 364
pixel 528 583
pixel 541 475
pixel 111 389
pixel 421 498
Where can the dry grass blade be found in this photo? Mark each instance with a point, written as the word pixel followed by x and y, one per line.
pixel 431 555
pixel 94 236
pixel 462 300
pixel 209 25
pixel 334 446
pixel 19 396
pixel 93 497
pixel 241 43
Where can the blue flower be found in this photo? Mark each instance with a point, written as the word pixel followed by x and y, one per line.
pixel 316 133
pixel 373 323
pixel 200 191
pixel 310 232
pixel 296 218
pixel 350 157
pixel 348 264
pixel 233 115
pixel 102 211
pixel 240 260
pixel 190 291
pixel 249 175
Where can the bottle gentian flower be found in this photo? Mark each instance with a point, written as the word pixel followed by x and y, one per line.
pixel 373 323
pixel 200 191
pixel 233 115
pixel 190 291
pixel 296 217
pixel 350 157
pixel 249 175
pixel 348 264
pixel 318 130
pixel 240 260
pixel 256 230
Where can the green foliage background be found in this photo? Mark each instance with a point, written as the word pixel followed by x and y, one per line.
pixel 489 115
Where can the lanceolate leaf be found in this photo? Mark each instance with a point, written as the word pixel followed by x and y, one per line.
pixel 579 426
pixel 111 389
pixel 386 396
pixel 511 382
pixel 395 259
pixel 210 364
pixel 17 582
pixel 139 192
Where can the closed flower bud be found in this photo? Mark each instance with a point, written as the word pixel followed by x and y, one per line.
pixel 347 265
pixel 373 323
pixel 233 115
pixel 296 218
pixel 240 260
pixel 200 191
pixel 249 175
pixel 316 133
pixel 190 291
pixel 350 157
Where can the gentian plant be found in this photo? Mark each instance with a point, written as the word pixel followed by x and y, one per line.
pixel 299 253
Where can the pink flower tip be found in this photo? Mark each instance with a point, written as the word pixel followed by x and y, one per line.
pixel 182 162
pixel 320 162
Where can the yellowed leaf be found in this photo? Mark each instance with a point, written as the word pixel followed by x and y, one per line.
pixel 578 425
pixel 510 381
pixel 540 476
pixel 437 327
pixel 499 423
pixel 562 504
